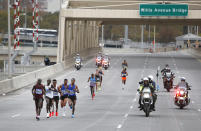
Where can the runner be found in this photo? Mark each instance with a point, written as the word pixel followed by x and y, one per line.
pixel 101 73
pixel 55 97
pixel 72 95
pixel 124 74
pixel 48 97
pixel 38 92
pixel 92 80
pixel 98 79
pixel 64 95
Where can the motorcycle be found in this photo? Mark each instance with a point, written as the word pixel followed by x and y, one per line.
pixel 98 61
pixel 146 100
pixel 106 64
pixel 168 81
pixel 78 64
pixel 181 98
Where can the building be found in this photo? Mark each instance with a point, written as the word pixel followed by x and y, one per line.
pixel 188 40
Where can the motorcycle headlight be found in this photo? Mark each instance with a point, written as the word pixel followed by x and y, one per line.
pixel 146 95
pixel 181 93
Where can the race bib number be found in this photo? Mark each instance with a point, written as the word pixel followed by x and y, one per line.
pixel 71 92
pixel 39 91
pixel 55 93
pixel 64 92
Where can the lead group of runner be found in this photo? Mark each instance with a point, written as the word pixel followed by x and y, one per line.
pixel 66 92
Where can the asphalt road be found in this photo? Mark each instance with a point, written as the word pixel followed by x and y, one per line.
pixel 113 108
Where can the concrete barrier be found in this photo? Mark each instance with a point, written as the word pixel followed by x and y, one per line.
pixel 30 78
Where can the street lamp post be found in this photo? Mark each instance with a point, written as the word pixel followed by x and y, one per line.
pixel 9 44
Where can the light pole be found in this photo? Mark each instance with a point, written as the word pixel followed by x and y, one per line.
pixel 9 44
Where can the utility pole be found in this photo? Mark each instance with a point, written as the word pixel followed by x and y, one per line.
pixel 154 38
pixel 142 35
pixel 9 44
pixel 126 34
pixel 102 35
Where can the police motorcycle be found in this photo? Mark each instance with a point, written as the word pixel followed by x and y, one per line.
pixel 182 97
pixel 146 100
pixel 78 63
pixel 168 81
pixel 106 63
pixel 99 61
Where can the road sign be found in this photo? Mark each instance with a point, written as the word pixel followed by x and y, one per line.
pixel 163 10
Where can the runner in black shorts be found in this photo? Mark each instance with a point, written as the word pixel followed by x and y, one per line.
pixel 38 91
pixel 48 97
pixel 72 89
pixel 63 90
pixel 55 97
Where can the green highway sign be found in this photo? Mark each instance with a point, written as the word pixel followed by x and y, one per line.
pixel 163 10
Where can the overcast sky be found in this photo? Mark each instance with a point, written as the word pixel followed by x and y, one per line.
pixel 53 5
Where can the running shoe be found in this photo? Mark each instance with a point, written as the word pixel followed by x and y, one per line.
pixel 53 113
pixel 56 113
pixel 72 116
pixel 48 115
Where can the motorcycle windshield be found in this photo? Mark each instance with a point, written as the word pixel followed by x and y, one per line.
pixel 77 60
pixel 146 90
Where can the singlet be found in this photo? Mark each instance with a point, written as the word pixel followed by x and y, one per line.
pixel 64 90
pixel 100 72
pixel 92 81
pixel 38 91
pixel 123 74
pixel 55 92
pixel 97 77
pixel 71 90
pixel 48 93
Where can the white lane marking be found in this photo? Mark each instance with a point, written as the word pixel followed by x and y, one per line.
pixel 3 94
pixel 193 102
pixel 199 110
pixel 119 126
pixel 85 86
pixel 134 100
pixel 16 115
pixel 126 115
pixel 131 107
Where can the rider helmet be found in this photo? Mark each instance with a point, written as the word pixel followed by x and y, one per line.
pixel 151 77
pixel 183 79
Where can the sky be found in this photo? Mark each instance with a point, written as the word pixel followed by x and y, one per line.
pixel 53 5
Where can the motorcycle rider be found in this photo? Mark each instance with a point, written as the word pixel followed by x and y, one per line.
pixel 152 84
pixel 185 84
pixel 99 57
pixel 166 69
pixel 142 86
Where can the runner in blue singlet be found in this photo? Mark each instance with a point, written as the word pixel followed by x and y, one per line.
pixel 63 90
pixel 92 80
pixel 72 90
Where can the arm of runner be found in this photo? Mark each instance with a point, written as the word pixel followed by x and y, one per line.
pixel 33 90
pixel 76 89
pixel 44 90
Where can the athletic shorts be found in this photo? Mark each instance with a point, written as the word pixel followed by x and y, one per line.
pixel 123 78
pixel 56 98
pixel 72 97
pixel 39 102
pixel 63 97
